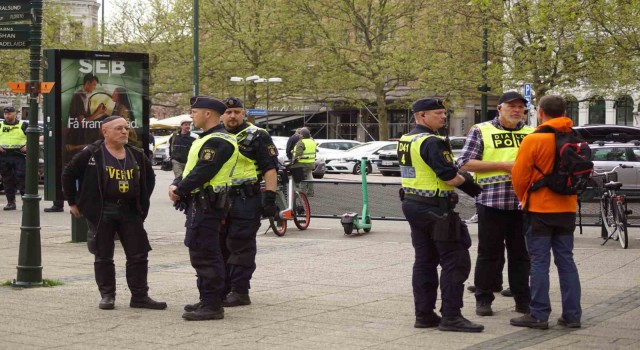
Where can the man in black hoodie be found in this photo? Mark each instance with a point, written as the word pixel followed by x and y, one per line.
pixel 115 183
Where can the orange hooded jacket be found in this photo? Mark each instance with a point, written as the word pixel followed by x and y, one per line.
pixel 540 149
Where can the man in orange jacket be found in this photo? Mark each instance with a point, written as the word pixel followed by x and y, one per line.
pixel 549 221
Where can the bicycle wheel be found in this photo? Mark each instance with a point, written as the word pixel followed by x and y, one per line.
pixel 301 211
pixel 278 224
pixel 606 212
pixel 620 219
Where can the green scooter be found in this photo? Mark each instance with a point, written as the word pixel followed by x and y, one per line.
pixel 350 220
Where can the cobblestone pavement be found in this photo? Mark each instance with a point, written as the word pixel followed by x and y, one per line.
pixel 313 289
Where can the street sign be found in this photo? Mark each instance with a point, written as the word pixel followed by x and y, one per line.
pixel 21 86
pixel 9 44
pixel 257 112
pixel 15 7
pixel 13 17
pixel 15 27
pixel 14 36
pixel 527 94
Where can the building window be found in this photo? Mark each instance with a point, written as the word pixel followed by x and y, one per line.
pixel 597 110
pixel 572 109
pixel 624 110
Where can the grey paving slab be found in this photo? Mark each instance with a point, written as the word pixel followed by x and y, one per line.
pixel 313 289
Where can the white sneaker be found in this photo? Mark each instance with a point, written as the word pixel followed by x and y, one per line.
pixel 473 219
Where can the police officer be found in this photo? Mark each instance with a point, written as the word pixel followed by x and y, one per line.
pixel 304 158
pixel 258 159
pixel 179 144
pixel 201 191
pixel 438 235
pixel 13 141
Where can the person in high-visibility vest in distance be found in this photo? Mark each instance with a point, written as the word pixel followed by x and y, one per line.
pixel 13 149
pixel 304 155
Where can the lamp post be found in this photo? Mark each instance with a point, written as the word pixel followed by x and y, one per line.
pixel 268 80
pixel 196 52
pixel 244 84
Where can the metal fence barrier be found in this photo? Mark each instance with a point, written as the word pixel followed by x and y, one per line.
pixel 333 198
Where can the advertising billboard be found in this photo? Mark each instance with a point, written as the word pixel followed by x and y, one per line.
pixel 91 86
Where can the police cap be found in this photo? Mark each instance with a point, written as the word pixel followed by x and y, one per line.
pixel 510 96
pixel 9 109
pixel 232 102
pixel 207 102
pixel 428 104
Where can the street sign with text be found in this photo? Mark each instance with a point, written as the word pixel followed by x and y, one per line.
pixel 257 112
pixel 15 7
pixel 14 36
pixel 13 17
pixel 14 44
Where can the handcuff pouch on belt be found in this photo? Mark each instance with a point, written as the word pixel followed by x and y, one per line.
pixel 214 201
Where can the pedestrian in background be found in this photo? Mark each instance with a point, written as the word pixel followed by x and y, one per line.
pixel 291 143
pixel 13 149
pixel 550 219
pixel 489 152
pixel 438 235
pixel 179 145
pixel 110 183
pixel 304 160
pixel 202 192
pixel 257 161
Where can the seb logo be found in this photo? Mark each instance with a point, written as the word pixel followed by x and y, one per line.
pixel 507 140
pixel 102 67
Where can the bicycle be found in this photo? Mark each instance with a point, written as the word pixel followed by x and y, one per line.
pixel 613 208
pixel 292 205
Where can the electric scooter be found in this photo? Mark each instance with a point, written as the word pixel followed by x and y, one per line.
pixel 351 220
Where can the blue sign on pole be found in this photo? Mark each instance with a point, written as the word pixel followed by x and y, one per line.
pixel 527 94
pixel 257 112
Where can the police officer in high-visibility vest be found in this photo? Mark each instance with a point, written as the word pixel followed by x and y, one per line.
pixel 438 235
pixel 490 151
pixel 258 160
pixel 202 191
pixel 304 160
pixel 13 149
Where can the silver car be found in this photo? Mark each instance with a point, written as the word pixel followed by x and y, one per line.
pixel 606 155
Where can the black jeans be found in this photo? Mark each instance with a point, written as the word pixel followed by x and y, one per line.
pixel 126 221
pixel 498 229
pixel 12 170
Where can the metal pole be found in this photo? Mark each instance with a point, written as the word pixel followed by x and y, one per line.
pixel 244 85
pixel 30 256
pixel 485 59
pixel 196 60
pixel 267 123
pixel 103 22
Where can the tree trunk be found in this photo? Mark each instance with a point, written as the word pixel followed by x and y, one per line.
pixel 383 118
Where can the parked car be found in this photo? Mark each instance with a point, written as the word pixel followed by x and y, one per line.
pixel 607 155
pixel 331 147
pixel 388 160
pixel 281 144
pixel 615 133
pixel 349 161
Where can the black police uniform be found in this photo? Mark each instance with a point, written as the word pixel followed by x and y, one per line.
pixel 203 224
pixel 242 224
pixel 12 164
pixel 452 256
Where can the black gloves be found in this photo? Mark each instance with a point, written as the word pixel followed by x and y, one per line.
pixel 469 186
pixel 269 208
pixel 180 205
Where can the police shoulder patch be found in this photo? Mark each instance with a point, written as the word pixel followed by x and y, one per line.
pixel 272 150
pixel 208 154
pixel 447 156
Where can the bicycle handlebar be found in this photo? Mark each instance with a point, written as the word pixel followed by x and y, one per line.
pixel 612 171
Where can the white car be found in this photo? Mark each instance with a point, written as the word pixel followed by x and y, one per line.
pixel 332 147
pixel 349 161
pixel 281 144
